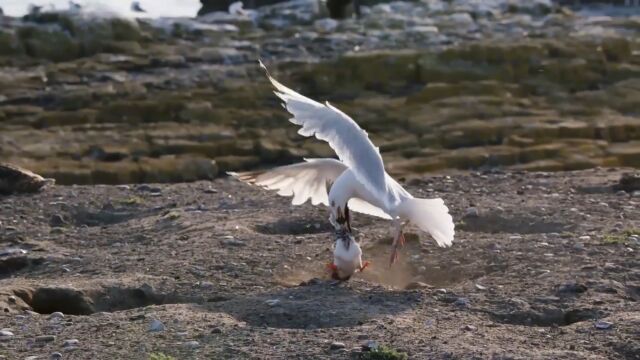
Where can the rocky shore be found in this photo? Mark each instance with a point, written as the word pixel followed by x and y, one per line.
pixel 544 266
pixel 439 85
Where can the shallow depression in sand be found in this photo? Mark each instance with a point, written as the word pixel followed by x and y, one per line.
pixel 413 266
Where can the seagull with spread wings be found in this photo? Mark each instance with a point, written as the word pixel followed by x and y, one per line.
pixel 356 182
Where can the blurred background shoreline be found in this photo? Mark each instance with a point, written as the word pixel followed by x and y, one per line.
pixel 90 96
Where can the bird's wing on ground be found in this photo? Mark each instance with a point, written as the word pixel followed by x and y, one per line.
pixel 346 138
pixel 303 181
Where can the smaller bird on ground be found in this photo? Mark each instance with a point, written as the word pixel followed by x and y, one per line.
pixel 347 257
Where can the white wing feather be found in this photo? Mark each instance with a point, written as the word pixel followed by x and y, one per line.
pixel 430 215
pixel 346 138
pixel 307 180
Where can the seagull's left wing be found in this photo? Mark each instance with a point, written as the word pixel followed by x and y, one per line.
pixel 346 138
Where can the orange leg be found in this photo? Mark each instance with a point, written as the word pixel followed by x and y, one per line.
pixel 364 266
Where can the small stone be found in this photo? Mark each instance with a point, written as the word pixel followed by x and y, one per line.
pixel 206 285
pixel 337 345
pixel 414 285
pixel 216 330
pixel 469 328
pixel 56 356
pixel 191 344
pixel 12 299
pixel 156 326
pixel 148 188
pixel 210 190
pixel 585 238
pixel 233 242
pixel 441 291
pixel 472 212
pixel 70 343
pixel 45 338
pixel 6 334
pixel 326 25
pixel 461 301
pixel 603 325
pixel 370 345
pixel 572 288
pixel 480 287
pixel 272 302
pixel 57 220
pixel 12 252
pixel 56 315
pixel 311 282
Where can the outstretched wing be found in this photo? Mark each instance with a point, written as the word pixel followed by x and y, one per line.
pixel 346 138
pixel 306 180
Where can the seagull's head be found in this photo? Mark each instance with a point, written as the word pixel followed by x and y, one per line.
pixel 347 256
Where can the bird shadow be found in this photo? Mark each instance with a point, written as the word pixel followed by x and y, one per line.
pixel 319 304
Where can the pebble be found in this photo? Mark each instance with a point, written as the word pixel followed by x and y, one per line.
pixel 469 328
pixel 370 345
pixel 56 356
pixel 441 291
pixel 414 285
pixel 12 252
pixel 216 330
pixel 210 190
pixel 56 315
pixel 603 325
pixel 12 299
pixel 337 345
pixel 461 301
pixel 191 344
pixel 70 343
pixel 56 220
pixel 156 326
pixel 45 338
pixel 480 287
pixel 585 238
pixel 5 334
pixel 233 242
pixel 471 212
pixel 272 302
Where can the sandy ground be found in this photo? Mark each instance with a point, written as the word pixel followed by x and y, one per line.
pixel 545 267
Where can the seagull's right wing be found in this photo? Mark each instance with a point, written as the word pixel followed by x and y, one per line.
pixel 346 138
pixel 306 180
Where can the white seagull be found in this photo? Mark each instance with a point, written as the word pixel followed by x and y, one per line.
pixel 357 181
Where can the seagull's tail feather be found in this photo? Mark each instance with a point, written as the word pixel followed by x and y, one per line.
pixel 430 215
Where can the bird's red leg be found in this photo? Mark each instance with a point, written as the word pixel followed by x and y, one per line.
pixel 364 266
pixel 398 242
pixel 401 240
